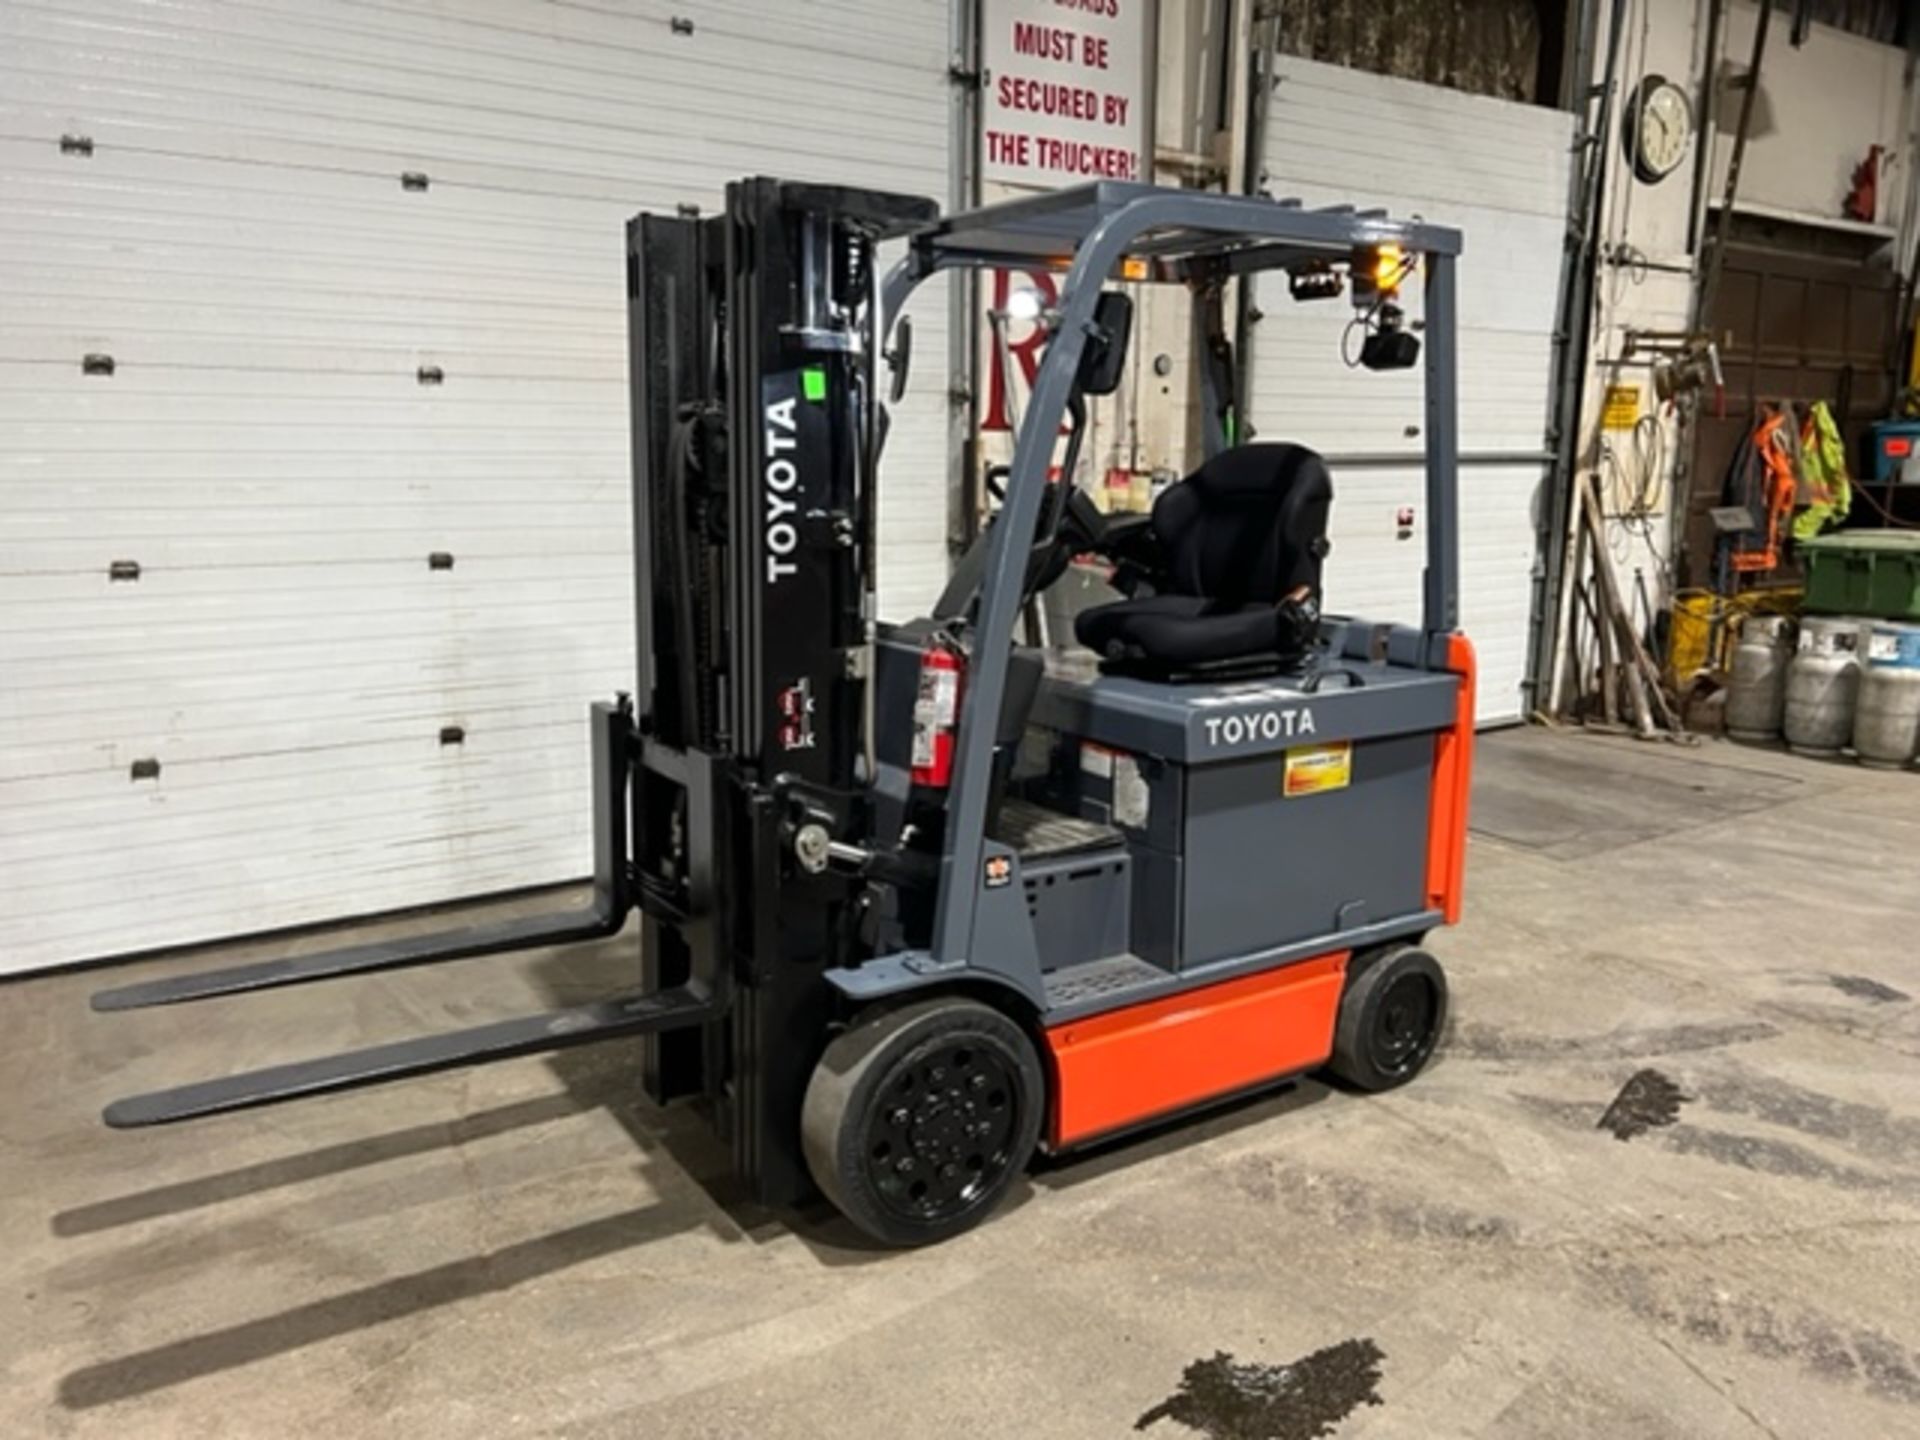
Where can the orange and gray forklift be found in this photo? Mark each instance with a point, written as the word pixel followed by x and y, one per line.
pixel 915 900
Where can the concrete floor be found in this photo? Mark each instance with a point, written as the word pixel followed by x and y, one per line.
pixel 527 1250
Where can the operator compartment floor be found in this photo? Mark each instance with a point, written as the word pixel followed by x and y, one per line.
pixel 1033 831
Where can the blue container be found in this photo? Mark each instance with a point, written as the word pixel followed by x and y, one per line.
pixel 1896 452
pixel 1896 646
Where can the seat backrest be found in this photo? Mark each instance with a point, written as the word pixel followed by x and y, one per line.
pixel 1248 526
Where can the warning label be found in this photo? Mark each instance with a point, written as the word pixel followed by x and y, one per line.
pixel 1312 769
pixel 1622 408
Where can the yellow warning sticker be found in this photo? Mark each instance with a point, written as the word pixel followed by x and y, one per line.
pixel 1622 410
pixel 1312 769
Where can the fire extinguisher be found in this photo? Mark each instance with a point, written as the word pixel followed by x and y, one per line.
pixel 936 713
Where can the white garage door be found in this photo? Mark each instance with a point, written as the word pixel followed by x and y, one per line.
pixel 238 694
pixel 1497 171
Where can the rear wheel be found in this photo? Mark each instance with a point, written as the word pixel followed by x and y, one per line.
pixel 918 1120
pixel 1391 1013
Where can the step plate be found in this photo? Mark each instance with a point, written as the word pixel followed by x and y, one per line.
pixel 1101 979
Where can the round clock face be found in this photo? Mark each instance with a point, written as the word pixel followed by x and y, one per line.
pixel 1661 124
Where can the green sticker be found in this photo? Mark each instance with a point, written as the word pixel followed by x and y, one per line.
pixel 813 383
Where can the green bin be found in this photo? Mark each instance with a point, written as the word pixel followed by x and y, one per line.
pixel 1864 572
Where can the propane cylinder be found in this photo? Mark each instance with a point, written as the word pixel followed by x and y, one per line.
pixel 1757 687
pixel 1823 685
pixel 1886 723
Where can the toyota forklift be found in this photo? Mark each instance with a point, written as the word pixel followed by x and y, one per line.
pixel 917 900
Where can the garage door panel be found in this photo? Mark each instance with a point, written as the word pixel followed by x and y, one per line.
pixel 396 886
pixel 441 641
pixel 240 243
pixel 239 541
pixel 337 707
pixel 1498 172
pixel 1374 567
pixel 189 877
pixel 449 156
pixel 1506 260
pixel 605 70
pixel 238 275
pixel 437 638
pixel 90 602
pixel 401 787
pixel 1503 393
pixel 1343 124
pixel 200 833
pixel 163 186
pixel 1497 550
pixel 486 91
pixel 1377 566
pixel 238 398
pixel 296 309
pixel 434 38
pixel 278 548
pixel 486 355
pixel 494 704
pixel 310 700
pixel 377 876
pixel 420 500
pixel 105 700
pixel 407 260
pixel 399 771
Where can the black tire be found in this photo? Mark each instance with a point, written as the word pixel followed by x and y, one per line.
pixel 1391 1014
pixel 918 1120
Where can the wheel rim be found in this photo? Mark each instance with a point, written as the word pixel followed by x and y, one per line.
pixel 1403 1024
pixel 941 1133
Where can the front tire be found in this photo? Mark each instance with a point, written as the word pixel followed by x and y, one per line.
pixel 918 1120
pixel 1390 1018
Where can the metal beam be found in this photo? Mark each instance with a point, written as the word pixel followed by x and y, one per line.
pixel 1441 595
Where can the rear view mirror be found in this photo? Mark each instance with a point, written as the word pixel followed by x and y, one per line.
pixel 1105 355
pixel 900 358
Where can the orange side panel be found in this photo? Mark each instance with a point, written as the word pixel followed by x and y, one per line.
pixel 1129 1065
pixel 1452 782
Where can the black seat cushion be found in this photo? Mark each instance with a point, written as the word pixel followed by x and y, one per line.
pixel 1242 532
pixel 1178 629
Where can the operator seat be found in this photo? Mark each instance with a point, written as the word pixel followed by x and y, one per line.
pixel 1237 537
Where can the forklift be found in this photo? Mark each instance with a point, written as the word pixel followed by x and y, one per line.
pixel 917 900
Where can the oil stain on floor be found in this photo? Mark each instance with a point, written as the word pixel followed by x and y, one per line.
pixel 1646 1100
pixel 1303 1400
pixel 1860 987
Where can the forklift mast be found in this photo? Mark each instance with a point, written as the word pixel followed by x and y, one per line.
pixel 752 366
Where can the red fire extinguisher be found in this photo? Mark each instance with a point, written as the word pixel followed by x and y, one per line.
pixel 936 713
